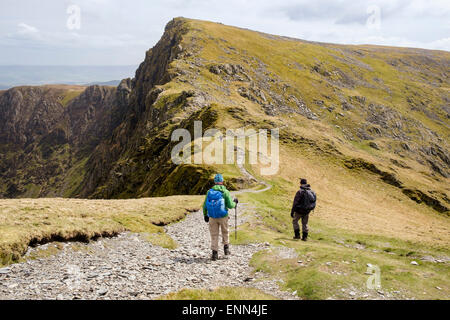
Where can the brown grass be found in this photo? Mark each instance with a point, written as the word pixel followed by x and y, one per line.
pixel 360 202
pixel 31 221
pixel 222 293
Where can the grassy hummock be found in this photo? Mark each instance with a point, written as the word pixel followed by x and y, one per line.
pixel 222 293
pixel 25 222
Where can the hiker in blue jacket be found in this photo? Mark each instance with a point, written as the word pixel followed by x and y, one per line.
pixel 215 211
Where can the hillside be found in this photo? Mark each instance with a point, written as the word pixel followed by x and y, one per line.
pixel 367 125
pixel 365 104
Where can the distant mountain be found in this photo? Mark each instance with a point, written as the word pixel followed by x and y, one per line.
pixel 114 83
pixel 11 76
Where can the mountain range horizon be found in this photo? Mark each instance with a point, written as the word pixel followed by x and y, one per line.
pixel 23 75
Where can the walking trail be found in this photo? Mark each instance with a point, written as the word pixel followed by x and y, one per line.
pixel 129 267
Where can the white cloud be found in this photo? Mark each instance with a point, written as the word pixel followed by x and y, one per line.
pixel 26 29
pixel 441 44
pixel 127 29
pixel 71 39
pixel 25 32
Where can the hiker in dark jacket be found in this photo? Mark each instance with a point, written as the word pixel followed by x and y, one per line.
pixel 215 211
pixel 304 203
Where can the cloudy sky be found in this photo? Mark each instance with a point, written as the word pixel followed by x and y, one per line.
pixel 118 32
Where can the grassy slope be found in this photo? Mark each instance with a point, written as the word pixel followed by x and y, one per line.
pixel 279 55
pixel 28 221
pixel 335 241
pixel 355 199
pixel 355 206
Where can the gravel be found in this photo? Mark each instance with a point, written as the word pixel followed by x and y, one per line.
pixel 129 267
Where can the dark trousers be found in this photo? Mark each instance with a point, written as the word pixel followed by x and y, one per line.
pixel 304 217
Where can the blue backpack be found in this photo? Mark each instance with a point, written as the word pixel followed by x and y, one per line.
pixel 215 204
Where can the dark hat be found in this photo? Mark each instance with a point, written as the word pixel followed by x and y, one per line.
pixel 303 181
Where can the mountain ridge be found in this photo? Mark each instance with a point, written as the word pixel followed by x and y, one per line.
pixel 193 73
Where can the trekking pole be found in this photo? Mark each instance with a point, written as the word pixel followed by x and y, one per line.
pixel 235 223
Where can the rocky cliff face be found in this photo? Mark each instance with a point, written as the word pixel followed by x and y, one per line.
pixel 136 159
pixel 90 147
pixel 27 113
pixel 387 108
pixel 43 136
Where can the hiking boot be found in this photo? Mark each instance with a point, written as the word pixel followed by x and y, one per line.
pixel 215 256
pixel 226 250
pixel 297 234
pixel 304 236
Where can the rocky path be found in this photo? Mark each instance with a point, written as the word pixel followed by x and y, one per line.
pixel 129 267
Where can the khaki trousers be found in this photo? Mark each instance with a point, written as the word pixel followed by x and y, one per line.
pixel 214 226
pixel 297 217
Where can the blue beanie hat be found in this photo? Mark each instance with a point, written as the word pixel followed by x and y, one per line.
pixel 218 178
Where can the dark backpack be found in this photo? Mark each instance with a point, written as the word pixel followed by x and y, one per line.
pixel 307 202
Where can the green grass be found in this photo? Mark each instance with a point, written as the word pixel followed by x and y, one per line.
pixel 348 253
pixel 42 253
pixel 327 268
pixel 74 178
pixel 278 64
pixel 153 233
pixel 69 96
pixel 222 293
